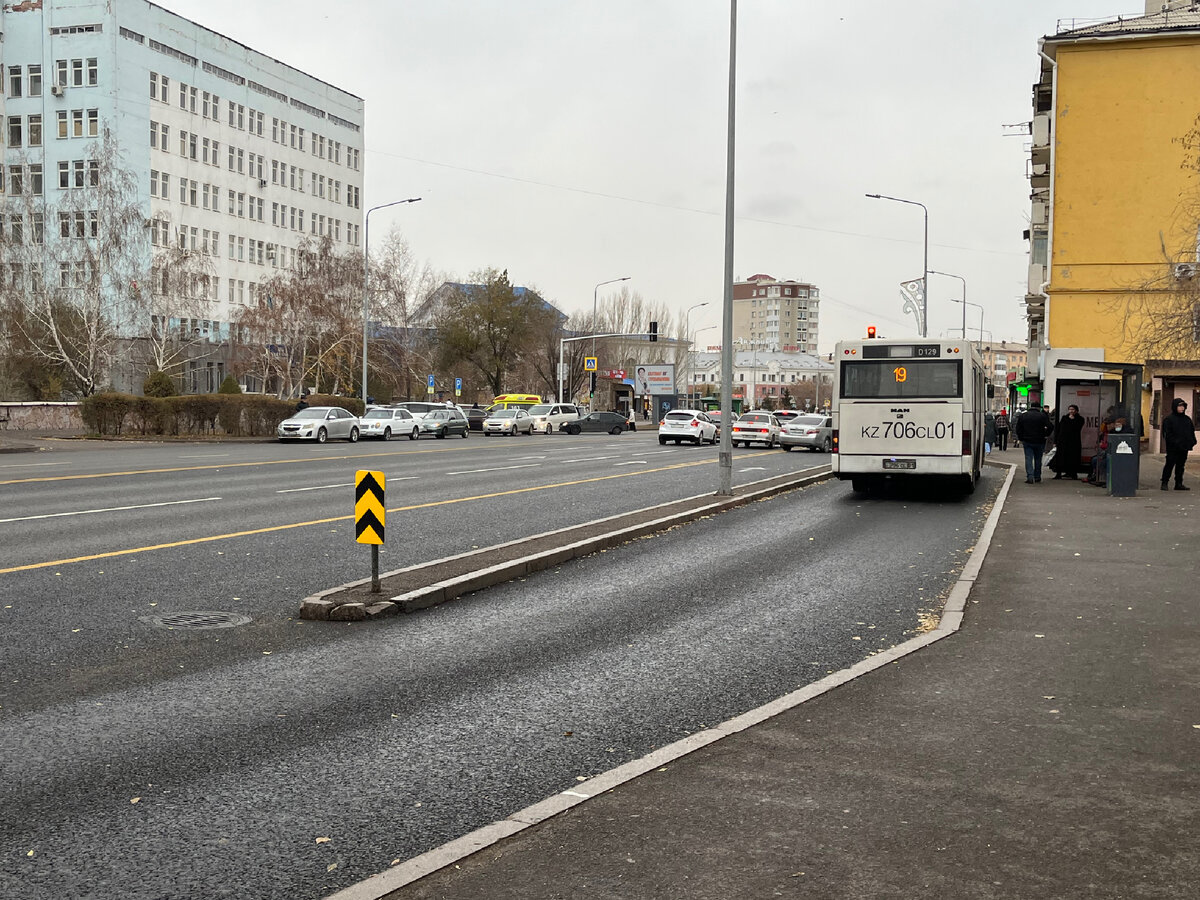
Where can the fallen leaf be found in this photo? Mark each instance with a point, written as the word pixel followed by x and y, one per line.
pixel 30 853
pixel 135 799
pixel 1039 635
pixel 322 840
pixel 266 653
pixel 331 867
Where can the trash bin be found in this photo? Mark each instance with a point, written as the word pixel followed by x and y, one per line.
pixel 1122 464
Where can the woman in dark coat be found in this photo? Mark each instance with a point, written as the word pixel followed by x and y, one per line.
pixel 1068 441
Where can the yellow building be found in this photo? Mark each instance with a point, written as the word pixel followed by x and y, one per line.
pixel 1115 219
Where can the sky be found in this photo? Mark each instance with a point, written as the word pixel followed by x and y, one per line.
pixel 576 141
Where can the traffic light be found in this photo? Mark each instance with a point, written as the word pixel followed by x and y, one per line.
pixel 653 332
pixel 593 383
pixel 870 332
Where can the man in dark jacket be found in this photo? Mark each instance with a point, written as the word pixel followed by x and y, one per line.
pixel 1179 435
pixel 1033 427
pixel 1002 429
pixel 1068 438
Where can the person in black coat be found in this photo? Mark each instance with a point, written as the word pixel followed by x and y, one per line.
pixel 1179 435
pixel 1068 439
pixel 1033 427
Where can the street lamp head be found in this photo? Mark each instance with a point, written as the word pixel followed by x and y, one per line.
pixel 875 196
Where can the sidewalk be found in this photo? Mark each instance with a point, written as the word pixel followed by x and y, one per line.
pixel 1048 749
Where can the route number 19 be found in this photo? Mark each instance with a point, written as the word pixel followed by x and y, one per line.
pixel 901 374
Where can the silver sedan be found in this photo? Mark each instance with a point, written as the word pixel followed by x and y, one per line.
pixel 319 423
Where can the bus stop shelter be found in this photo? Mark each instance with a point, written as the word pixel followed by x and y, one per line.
pixel 1124 454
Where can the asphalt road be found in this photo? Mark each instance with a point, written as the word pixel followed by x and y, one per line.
pixel 139 762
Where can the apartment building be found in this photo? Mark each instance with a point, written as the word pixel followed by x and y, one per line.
pixel 774 314
pixel 238 159
pixel 1115 207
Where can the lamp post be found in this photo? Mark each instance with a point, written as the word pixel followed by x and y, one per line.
pixel 595 297
pixel 925 274
pixel 964 297
pixel 687 336
pixel 965 304
pixel 367 278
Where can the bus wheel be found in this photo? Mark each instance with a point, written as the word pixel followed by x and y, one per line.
pixel 859 485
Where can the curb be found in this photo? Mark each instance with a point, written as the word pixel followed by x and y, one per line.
pixel 321 606
pixel 384 884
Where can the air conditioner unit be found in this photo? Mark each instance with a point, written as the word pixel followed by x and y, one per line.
pixel 1185 270
pixel 56 90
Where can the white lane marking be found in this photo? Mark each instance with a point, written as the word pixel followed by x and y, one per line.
pixel 519 458
pixel 319 487
pixel 30 465
pixel 84 512
pixel 206 456
pixel 632 462
pixel 583 459
pixel 753 469
pixel 495 469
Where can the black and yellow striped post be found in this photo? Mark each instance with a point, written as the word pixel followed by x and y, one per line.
pixel 370 516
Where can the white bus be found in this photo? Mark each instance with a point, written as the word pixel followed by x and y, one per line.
pixel 905 409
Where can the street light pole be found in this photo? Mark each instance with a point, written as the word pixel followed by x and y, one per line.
pixel 367 278
pixel 925 274
pixel 595 298
pixel 965 303
pixel 964 297
pixel 687 336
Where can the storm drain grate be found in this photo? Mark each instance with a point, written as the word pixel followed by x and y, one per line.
pixel 199 619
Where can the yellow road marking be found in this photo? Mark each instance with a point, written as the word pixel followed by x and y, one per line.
pixel 265 462
pixel 273 528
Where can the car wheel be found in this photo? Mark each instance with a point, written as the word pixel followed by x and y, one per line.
pixel 322 436
pixel 662 441
pixel 713 439
pixel 387 434
pixel 575 429
pixel 698 441
pixel 441 435
pixel 466 433
pixel 354 435
pixel 773 442
pixel 787 448
pixel 616 429
pixel 416 433
pixel 827 445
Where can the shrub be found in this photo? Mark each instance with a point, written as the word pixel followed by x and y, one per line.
pixel 229 386
pixel 105 413
pixel 149 414
pixel 159 384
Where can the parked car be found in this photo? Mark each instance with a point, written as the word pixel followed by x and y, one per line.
pixel 812 431
pixel 386 422
pixel 755 428
pixel 475 417
pixel 609 422
pixel 551 417
pixel 681 425
pixel 508 421
pixel 319 423
pixel 444 421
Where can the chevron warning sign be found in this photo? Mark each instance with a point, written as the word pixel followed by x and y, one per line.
pixel 370 513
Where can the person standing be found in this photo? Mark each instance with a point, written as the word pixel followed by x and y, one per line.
pixel 1068 439
pixel 1179 435
pixel 1002 430
pixel 1033 427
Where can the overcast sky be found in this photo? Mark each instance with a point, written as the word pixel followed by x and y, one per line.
pixel 574 141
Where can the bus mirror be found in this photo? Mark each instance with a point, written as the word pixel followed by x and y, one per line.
pixel 991 391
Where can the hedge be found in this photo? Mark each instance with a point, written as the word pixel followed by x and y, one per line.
pixel 232 415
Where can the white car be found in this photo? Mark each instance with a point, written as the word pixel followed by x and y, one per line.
pixel 386 422
pixel 551 417
pixel 681 425
pixel 508 421
pixel 755 428
pixel 319 423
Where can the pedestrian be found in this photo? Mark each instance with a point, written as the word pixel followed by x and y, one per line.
pixel 1179 435
pixel 1033 427
pixel 1002 430
pixel 303 402
pixel 1068 444
pixel 989 432
pixel 1050 415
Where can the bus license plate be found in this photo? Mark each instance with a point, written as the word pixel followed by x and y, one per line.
pixel 899 463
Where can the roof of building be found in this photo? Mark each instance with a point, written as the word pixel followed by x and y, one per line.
pixel 1167 21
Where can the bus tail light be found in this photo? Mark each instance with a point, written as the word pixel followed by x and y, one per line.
pixel 835 441
pixel 966 444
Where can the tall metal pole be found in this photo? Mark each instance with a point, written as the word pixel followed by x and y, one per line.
pixel 964 296
pixel 366 281
pixel 595 298
pixel 687 337
pixel 925 274
pixel 725 455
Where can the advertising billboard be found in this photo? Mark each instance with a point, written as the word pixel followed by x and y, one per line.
pixel 655 379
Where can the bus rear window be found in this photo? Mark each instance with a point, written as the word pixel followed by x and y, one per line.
pixel 901 379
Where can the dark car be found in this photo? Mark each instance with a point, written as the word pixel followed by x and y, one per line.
pixel 444 422
pixel 610 422
pixel 475 418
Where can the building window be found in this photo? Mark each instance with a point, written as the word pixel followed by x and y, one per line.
pixel 16 131
pixel 35 80
pixel 93 72
pixel 15 81
pixel 35 131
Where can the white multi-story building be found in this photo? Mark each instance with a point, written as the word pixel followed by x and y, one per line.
pixel 783 315
pixel 237 156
